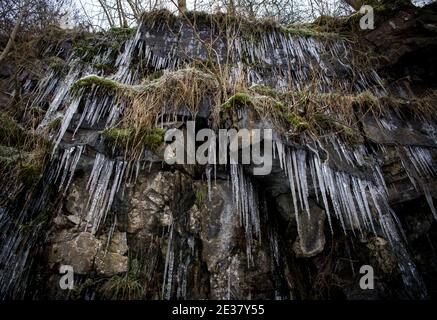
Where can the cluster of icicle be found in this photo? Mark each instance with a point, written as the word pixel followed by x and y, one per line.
pixel 21 232
pixel 285 48
pixel 65 105
pixel 107 174
pixel 103 184
pixel 291 58
pixel 356 202
pixel 300 55
pixel 175 277
pixel 101 192
pixel 419 166
pixel 416 160
pixel 67 165
pixel 105 181
pixel 246 204
pixel 348 194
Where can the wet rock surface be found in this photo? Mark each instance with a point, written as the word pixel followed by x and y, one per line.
pixel 311 239
pixel 78 252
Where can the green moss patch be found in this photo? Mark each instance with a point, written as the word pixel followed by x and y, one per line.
pixel 105 67
pixel 94 80
pixel 56 63
pixel 30 173
pixel 115 136
pixel 238 100
pixel 125 33
pixel 264 90
pixel 154 139
pixel 123 137
pixel 295 121
pixel 87 45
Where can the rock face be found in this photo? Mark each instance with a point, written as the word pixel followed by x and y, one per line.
pixel 78 252
pixel 406 39
pixel 150 202
pixel 220 233
pixel 311 240
pixel 110 264
pixel 146 229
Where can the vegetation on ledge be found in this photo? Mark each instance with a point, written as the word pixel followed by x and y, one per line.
pixel 154 139
pixel 295 121
pixel 222 21
pixel 87 45
pixel 115 136
pixel 145 102
pixel 10 130
pixel 125 138
pixel 239 99
pixel 22 154
pixel 93 80
pixel 290 112
pixel 128 286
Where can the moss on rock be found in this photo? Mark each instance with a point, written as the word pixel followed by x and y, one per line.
pixel 264 90
pixel 154 139
pixel 295 121
pixel 122 32
pixel 115 136
pixel 56 63
pixel 239 99
pixel 124 137
pixel 93 80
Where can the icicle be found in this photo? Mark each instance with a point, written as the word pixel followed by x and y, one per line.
pixel 68 165
pixel 274 247
pixel 124 60
pixel 313 178
pixel 61 93
pixel 228 295
pixel 297 177
pixel 350 202
pixel 347 193
pixel 208 177
pixel 429 200
pixel 421 159
pixel 246 204
pixel 181 292
pixel 290 174
pixel 410 276
pixel 168 267
pixel 101 193
pixel 421 168
pixel 302 173
pixel 323 191
pixel 110 234
pixel 71 110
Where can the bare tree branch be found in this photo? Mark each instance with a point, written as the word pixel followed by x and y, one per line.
pixel 14 32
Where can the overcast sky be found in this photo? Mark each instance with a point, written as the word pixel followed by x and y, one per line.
pixel 95 13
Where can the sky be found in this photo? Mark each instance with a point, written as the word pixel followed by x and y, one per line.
pixel 95 14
